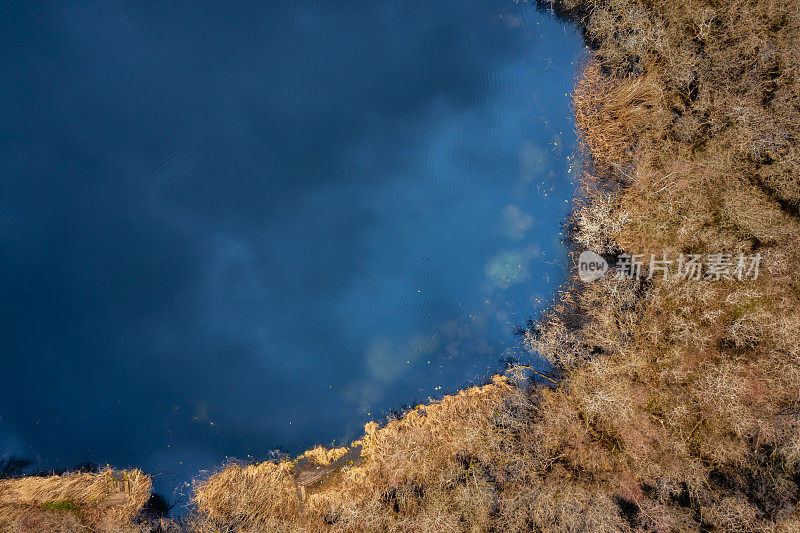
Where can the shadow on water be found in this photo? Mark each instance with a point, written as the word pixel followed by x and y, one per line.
pixel 157 507
pixel 12 466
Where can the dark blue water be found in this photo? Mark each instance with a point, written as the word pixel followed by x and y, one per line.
pixel 228 228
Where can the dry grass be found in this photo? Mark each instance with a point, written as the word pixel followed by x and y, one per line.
pixel 679 407
pixel 438 449
pixel 108 500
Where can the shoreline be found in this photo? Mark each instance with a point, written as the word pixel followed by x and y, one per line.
pixel 678 403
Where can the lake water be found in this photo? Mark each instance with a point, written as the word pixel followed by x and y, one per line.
pixel 226 229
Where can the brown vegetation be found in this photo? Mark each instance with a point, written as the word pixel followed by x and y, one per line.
pixel 679 407
pixel 108 500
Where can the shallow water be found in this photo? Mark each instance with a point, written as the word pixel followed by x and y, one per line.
pixel 227 230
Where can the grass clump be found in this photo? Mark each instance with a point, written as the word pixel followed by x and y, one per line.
pixel 107 500
pixel 60 505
